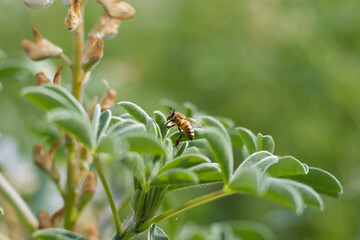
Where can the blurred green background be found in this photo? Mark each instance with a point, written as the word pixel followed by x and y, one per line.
pixel 287 68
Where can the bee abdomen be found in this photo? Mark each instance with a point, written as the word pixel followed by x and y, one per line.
pixel 189 132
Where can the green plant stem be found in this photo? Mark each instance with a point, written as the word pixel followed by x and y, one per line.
pixel 174 211
pixel 77 69
pixel 66 59
pixel 140 207
pixel 71 184
pixel 186 206
pixel 109 195
pixel 24 213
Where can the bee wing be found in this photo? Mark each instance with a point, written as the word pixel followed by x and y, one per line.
pixel 193 121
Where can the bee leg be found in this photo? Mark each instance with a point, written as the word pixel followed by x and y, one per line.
pixel 179 138
pixel 170 126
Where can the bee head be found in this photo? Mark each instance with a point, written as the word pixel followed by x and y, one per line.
pixel 171 114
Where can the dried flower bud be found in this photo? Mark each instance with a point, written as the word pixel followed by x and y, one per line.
pixel 36 4
pixel 108 99
pixel 41 159
pixel 56 217
pixel 89 184
pixel 106 27
pixel 44 220
pixel 67 2
pixel 118 9
pixel 93 52
pixel 41 79
pixel 92 232
pixel 41 49
pixel 57 77
pixel 73 18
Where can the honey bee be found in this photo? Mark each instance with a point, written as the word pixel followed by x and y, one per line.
pixel 182 122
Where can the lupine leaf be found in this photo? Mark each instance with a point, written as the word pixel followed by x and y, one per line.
pixel 321 181
pixel 104 122
pixel 251 230
pixel 45 98
pixel 1 211
pixel 74 124
pixel 210 121
pixel 96 118
pixel 160 119
pixel 135 111
pixel 284 193
pixel 68 96
pixel 248 181
pixel 254 159
pixel 207 172
pixel 286 165
pixel 135 163
pixel 248 138
pixel 185 161
pixel 156 233
pixel 145 144
pixel 265 143
pixel 266 162
pixel 56 234
pixel 221 149
pixel 309 195
pixel 174 177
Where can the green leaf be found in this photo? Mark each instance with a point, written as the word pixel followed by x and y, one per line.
pixel 248 138
pixel 145 144
pixel 265 143
pixel 248 181
pixel 286 166
pixel 181 148
pixel 75 124
pixel 56 234
pixel 207 172
pixel 254 158
pixel 135 163
pixel 210 121
pixel 96 118
pixel 45 98
pixel 189 109
pixel 309 195
pixel 235 138
pixel 321 181
pixel 68 96
pixel 284 193
pixel 108 145
pixel 155 233
pixel 251 230
pixel 174 177
pixel 266 162
pixel 221 149
pixel 191 150
pixel 160 119
pixel 185 161
pixel 104 122
pixel 1 211
pixel 128 128
pixel 135 111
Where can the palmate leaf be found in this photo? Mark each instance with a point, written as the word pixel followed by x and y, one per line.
pixel 284 193
pixel 145 144
pixel 221 149
pixel 160 119
pixel 322 181
pixel 50 97
pixel 286 166
pixel 210 121
pixel 75 124
pixel 254 158
pixel 1 211
pixel 56 234
pixel 265 143
pixel 185 161
pixel 248 138
pixel 175 176
pixel 156 233
pixel 248 180
pixel 135 163
pixel 207 172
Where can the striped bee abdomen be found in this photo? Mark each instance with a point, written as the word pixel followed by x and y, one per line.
pixel 188 130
